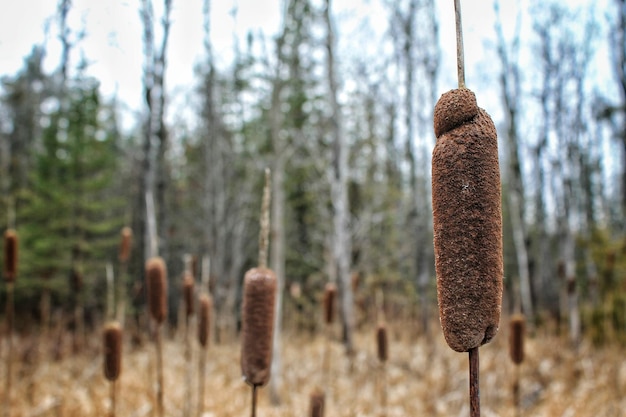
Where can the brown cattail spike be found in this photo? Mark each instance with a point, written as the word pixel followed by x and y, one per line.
pixel 330 293
pixel 516 338
pixel 188 289
pixel 382 343
pixel 125 243
pixel 156 281
pixel 467 221
pixel 259 295
pixel 204 321
pixel 10 255
pixel 317 403
pixel 112 351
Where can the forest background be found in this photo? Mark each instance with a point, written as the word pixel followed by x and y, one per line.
pixel 338 103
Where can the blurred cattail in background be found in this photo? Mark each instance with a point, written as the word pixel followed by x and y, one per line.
pixel 259 294
pixel 188 310
pixel 204 319
pixel 112 345
pixel 516 352
pixel 516 338
pixel 188 293
pixel 112 351
pixel 204 328
pixel 10 255
pixel 156 281
pixel 257 310
pixel 316 400
pixel 330 294
pixel 382 342
pixel 382 350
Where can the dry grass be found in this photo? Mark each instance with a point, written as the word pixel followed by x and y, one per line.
pixel 424 376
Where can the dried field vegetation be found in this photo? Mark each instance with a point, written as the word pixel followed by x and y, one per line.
pixel 424 378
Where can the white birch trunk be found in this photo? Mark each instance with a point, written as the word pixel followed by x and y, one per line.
pixel 339 190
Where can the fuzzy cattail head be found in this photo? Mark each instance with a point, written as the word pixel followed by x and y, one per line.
pixel 330 293
pixel 467 221
pixel 382 343
pixel 10 255
pixel 317 403
pixel 204 321
pixel 257 326
pixel 156 282
pixel 125 243
pixel 188 289
pixel 516 338
pixel 112 351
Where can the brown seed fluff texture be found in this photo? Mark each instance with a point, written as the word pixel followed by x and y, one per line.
pixel 204 321
pixel 330 293
pixel 156 281
pixel 10 255
pixel 467 221
pixel 382 343
pixel 112 351
pixel 516 338
pixel 127 235
pixel 317 403
pixel 257 325
pixel 188 289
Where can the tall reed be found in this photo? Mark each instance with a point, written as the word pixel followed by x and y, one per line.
pixel 112 344
pixel 156 280
pixel 382 351
pixel 516 352
pixel 257 310
pixel 204 330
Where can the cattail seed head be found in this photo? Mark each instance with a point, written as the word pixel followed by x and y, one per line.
pixel 156 281
pixel 330 293
pixel 188 289
pixel 382 343
pixel 467 221
pixel 10 255
pixel 125 244
pixel 259 295
pixel 204 321
pixel 317 403
pixel 516 338
pixel 112 351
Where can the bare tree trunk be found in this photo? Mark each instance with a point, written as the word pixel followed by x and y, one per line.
pixel 620 68
pixel 153 167
pixel 342 250
pixel 510 85
pixel 277 261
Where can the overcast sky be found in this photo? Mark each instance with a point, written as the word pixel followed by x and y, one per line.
pixel 113 43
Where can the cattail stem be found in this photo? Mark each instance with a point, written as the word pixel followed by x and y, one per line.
pixel 187 411
pixel 9 312
pixel 516 391
pixel 265 222
pixel 201 372
pixel 113 398
pixel 460 58
pixel 254 398
pixel 474 384
pixel 159 370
